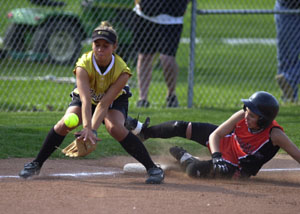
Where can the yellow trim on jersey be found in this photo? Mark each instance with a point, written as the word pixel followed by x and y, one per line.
pixel 99 84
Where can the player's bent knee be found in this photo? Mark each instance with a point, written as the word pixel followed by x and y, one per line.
pixel 119 132
pixel 61 128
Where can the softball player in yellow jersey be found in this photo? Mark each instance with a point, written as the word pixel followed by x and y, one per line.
pixel 100 96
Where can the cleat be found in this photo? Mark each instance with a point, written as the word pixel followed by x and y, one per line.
pixel 155 176
pixel 137 127
pixel 172 101
pixel 177 152
pixel 142 103
pixel 131 123
pixel 141 135
pixel 146 123
pixel 287 89
pixel 181 155
pixel 30 169
pixel 199 169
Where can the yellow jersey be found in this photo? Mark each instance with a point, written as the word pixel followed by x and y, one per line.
pixel 100 81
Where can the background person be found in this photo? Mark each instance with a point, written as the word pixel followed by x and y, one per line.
pixel 288 49
pixel 158 28
pixel 100 95
pixel 240 146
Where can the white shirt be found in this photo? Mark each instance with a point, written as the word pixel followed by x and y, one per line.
pixel 163 19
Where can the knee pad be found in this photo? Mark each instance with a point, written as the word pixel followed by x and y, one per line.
pixel 179 128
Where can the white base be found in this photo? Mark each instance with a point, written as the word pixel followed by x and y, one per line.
pixel 139 168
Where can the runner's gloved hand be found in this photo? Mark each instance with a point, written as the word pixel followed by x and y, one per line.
pixel 219 164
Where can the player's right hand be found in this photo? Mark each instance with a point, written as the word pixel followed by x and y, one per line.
pixel 87 134
pixel 219 164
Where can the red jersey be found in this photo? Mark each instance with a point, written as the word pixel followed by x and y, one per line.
pixel 247 150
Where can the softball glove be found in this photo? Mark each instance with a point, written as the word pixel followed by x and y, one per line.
pixel 79 148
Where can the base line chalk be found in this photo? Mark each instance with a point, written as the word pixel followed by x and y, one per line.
pixel 80 174
pixel 277 170
pixel 90 174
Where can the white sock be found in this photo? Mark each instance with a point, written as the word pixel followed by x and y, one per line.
pixel 184 157
pixel 138 128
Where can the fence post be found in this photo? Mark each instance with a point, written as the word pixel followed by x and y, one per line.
pixel 192 54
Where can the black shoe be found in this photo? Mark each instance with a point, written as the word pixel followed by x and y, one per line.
pixel 287 89
pixel 131 125
pixel 30 169
pixel 141 135
pixel 197 168
pixel 182 156
pixel 177 152
pixel 172 101
pixel 155 176
pixel 142 103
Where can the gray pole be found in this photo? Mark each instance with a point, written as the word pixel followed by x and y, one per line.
pixel 192 54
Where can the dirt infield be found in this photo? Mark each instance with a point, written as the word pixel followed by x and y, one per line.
pixel 62 187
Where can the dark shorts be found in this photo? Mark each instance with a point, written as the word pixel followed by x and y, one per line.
pixel 153 38
pixel 201 132
pixel 120 104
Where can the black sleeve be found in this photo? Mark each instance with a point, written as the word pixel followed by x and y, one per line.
pixel 251 164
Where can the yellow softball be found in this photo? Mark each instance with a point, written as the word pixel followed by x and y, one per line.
pixel 71 120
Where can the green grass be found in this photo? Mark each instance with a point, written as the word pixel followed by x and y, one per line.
pixel 22 133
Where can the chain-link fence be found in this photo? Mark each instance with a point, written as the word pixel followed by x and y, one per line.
pixel 231 54
pixel 235 51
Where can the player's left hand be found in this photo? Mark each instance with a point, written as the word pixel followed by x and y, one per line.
pixel 219 164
